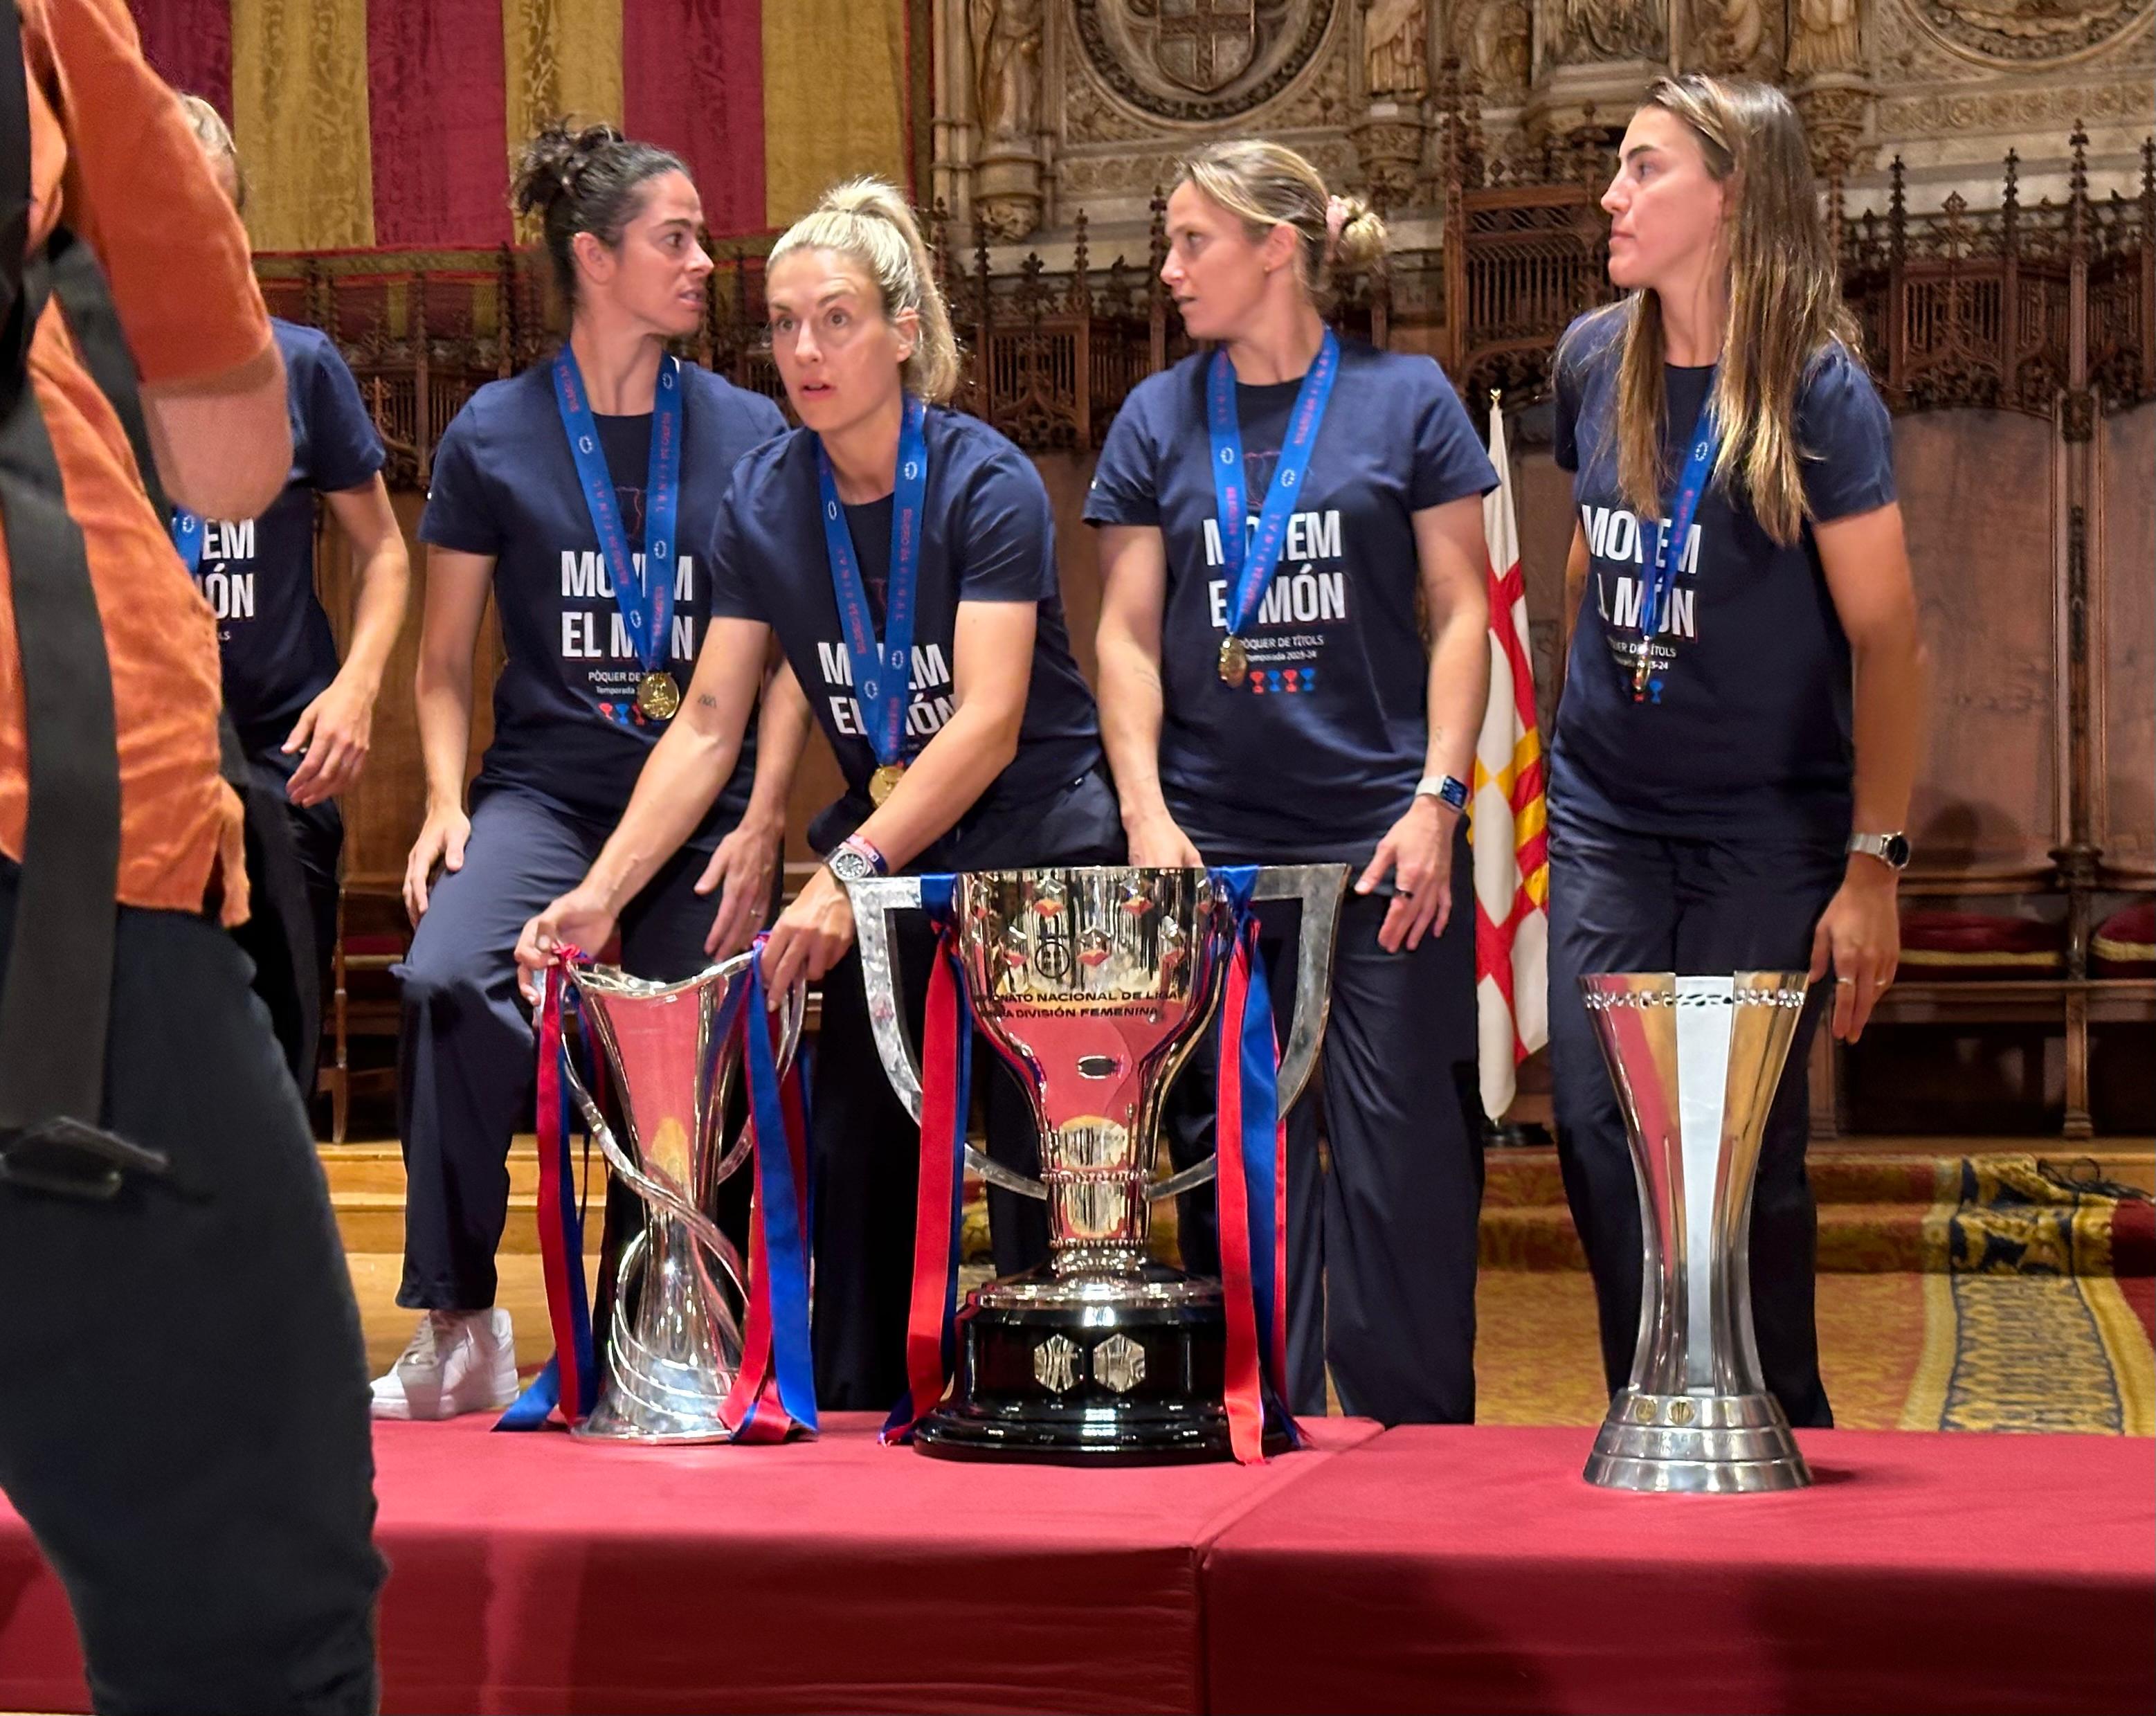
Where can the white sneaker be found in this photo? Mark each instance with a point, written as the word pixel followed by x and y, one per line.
pixel 459 1361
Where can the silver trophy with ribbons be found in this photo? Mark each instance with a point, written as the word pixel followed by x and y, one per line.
pixel 1094 985
pixel 680 1060
pixel 1696 1061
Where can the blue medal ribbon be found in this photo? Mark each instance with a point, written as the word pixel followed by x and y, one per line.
pixel 883 673
pixel 1670 539
pixel 785 1219
pixel 646 602
pixel 1250 561
pixel 188 538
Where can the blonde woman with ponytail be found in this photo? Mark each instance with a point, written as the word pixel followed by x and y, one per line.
pixel 884 503
pixel 1294 659
pixel 1743 708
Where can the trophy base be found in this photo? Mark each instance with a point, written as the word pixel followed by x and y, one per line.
pixel 1088 1370
pixel 664 1404
pixel 1697 1445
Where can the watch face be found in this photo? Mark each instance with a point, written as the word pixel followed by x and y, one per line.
pixel 1897 850
pixel 850 865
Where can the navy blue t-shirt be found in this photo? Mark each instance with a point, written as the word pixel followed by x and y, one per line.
pixel 988 535
pixel 1745 727
pixel 566 724
pixel 258 574
pixel 1317 754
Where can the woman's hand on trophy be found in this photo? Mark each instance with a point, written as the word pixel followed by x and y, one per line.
pixel 741 870
pixel 1859 937
pixel 579 919
pixel 812 935
pixel 1417 850
pixel 441 841
pixel 1158 842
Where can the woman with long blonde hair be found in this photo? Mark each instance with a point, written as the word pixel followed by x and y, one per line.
pixel 1268 695
pixel 1743 703
pixel 886 512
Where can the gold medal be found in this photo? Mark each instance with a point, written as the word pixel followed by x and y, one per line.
pixel 657 697
pixel 1234 662
pixel 884 782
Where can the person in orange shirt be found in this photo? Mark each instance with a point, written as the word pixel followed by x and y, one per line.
pixel 183 1424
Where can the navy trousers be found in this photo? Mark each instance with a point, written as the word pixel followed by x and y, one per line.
pixel 466 1061
pixel 1626 902
pixel 318 837
pixel 1382 1227
pixel 185 1426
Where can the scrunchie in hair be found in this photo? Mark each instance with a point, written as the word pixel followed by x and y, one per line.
pixel 1336 218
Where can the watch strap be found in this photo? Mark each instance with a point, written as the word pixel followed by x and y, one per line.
pixel 1445 788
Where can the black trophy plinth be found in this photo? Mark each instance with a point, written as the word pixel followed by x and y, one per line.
pixel 1089 1372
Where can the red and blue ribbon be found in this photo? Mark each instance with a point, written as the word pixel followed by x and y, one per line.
pixel 774 1392
pixel 1250 1142
pixel 570 1379
pixel 946 1056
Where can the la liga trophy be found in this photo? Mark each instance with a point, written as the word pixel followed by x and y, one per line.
pixel 1094 985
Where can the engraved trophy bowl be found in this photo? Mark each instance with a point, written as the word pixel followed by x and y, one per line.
pixel 674 1342
pixel 1094 985
pixel 1696 1061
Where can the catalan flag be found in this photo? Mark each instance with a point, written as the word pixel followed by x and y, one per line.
pixel 1509 831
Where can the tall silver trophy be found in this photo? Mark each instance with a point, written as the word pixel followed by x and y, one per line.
pixel 1696 1061
pixel 674 1341
pixel 1094 985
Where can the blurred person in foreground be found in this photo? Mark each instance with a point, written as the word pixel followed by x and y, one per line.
pixel 185 1426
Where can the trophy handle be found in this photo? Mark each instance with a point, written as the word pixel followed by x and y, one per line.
pixel 1320 887
pixel 655 1191
pixel 794 1012
pixel 874 901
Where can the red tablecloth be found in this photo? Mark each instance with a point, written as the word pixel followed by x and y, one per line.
pixel 531 1573
pixel 1439 1570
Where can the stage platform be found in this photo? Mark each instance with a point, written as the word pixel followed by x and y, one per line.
pixel 1411 1569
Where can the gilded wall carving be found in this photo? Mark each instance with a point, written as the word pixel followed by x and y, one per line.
pixel 1048 106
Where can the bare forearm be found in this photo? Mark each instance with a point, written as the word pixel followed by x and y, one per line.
pixel 1459 690
pixel 444 694
pixel 385 585
pixel 1892 691
pixel 943 783
pixel 682 780
pixel 1132 708
pixel 781 734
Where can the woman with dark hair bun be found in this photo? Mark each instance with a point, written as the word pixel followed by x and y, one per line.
pixel 579 494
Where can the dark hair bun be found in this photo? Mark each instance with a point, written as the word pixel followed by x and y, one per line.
pixel 551 164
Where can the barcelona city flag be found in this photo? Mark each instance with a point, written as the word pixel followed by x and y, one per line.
pixel 366 124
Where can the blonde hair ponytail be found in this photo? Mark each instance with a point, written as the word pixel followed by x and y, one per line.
pixel 1265 185
pixel 867 221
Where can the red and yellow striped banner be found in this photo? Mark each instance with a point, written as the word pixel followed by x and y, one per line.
pixel 391 123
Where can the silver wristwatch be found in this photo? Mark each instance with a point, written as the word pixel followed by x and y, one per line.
pixel 855 859
pixel 1892 851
